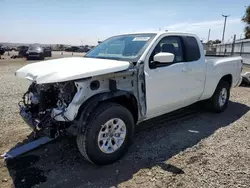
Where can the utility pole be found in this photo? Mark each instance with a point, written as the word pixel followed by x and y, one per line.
pixel 233 45
pixel 225 22
pixel 208 35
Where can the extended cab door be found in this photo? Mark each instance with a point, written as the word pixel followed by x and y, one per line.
pixel 196 67
pixel 166 87
pixel 174 85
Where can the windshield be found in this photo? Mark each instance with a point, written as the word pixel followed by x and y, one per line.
pixel 34 47
pixel 124 47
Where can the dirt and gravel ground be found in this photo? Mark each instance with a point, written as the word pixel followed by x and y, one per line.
pixel 201 150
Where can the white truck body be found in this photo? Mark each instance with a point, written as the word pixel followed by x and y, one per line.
pixel 182 84
pixel 71 68
pixel 187 83
pixel 139 76
pixel 178 85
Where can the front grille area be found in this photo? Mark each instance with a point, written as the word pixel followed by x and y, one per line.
pixel 33 53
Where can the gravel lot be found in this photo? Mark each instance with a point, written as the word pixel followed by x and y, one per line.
pixel 200 150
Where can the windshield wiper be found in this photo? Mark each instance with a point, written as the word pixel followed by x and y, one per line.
pixel 101 57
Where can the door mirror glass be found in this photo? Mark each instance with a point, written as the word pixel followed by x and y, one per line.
pixel 164 57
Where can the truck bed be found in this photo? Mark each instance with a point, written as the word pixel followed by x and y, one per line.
pixel 219 56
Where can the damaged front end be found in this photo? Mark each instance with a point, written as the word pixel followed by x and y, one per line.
pixel 39 103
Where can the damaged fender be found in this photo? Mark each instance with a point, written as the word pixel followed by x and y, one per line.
pixel 88 106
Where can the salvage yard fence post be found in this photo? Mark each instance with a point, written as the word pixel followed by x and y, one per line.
pixel 241 47
pixel 233 45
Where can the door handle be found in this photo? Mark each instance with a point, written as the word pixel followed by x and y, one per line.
pixel 186 69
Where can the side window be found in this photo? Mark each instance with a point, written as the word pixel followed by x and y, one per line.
pixel 171 44
pixel 192 50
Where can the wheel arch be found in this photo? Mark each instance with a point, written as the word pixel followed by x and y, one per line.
pixel 211 85
pixel 123 98
pixel 227 78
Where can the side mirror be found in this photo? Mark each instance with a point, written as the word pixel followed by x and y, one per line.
pixel 164 57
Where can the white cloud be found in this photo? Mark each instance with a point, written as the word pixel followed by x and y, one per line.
pixel 234 26
pixel 187 26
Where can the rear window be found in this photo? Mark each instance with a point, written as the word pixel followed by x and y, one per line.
pixel 192 50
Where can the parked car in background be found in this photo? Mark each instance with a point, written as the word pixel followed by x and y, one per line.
pixel 7 48
pixel 84 49
pixel 2 50
pixel 47 52
pixel 72 49
pixel 58 47
pixel 22 51
pixel 36 51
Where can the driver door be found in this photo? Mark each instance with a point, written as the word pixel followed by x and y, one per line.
pixel 166 89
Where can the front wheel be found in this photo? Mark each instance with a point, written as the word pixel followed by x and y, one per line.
pixel 107 134
pixel 219 101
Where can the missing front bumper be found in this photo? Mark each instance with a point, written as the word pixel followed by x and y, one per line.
pixel 27 117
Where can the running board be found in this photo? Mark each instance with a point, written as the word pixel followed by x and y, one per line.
pixel 12 153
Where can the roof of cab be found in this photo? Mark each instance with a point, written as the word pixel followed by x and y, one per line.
pixel 158 33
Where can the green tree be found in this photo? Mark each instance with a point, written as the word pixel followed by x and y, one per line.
pixel 217 41
pixel 246 19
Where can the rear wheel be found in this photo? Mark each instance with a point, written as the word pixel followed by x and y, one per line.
pixel 107 135
pixel 219 101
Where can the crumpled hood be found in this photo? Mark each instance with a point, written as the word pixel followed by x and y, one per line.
pixel 71 68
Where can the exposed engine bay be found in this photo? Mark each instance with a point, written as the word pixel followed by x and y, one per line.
pixel 39 101
pixel 53 108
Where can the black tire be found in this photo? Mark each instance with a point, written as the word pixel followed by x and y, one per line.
pixel 213 103
pixel 87 142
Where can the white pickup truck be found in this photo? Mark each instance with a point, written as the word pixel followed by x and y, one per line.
pixel 125 80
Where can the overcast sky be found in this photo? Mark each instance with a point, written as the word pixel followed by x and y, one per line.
pixel 77 21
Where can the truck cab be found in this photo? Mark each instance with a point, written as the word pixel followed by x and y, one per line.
pixel 180 80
